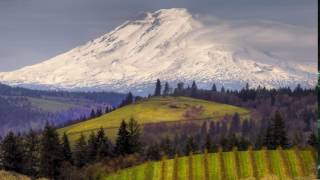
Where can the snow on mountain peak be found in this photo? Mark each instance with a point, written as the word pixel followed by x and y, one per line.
pixel 168 44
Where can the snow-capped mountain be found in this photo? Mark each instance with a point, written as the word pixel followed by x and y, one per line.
pixel 169 44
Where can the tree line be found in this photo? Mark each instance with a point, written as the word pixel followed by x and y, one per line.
pixel 45 154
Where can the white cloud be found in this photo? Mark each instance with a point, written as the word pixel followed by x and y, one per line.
pixel 288 42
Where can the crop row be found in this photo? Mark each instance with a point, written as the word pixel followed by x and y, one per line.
pixel 264 164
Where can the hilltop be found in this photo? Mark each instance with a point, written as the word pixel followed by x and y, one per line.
pixel 156 110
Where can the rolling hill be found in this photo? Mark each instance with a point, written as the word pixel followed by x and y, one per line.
pixel 22 109
pixel 262 164
pixel 156 110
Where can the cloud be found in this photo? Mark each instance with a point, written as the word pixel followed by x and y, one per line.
pixel 288 42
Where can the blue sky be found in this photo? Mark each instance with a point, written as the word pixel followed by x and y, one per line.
pixel 32 31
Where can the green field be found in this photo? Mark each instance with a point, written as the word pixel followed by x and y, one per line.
pixel 52 105
pixel 285 164
pixel 155 110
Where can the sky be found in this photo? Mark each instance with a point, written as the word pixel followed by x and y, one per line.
pixel 32 31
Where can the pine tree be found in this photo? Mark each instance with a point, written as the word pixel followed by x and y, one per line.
pixel 208 144
pixel 12 155
pixel 157 91
pixel 99 113
pixel 312 140
pixel 269 138
pixel 179 89
pixel 153 152
pixel 66 149
pixel 102 142
pixel 51 155
pixel 92 114
pixel 122 142
pixel 167 147
pixel 235 123
pixel 222 89
pixel 276 133
pixel 280 134
pixel 194 89
pixel 128 100
pixel 166 90
pixel 80 152
pixel 214 88
pixel 134 130
pixel 92 147
pixel 31 155
pixel 191 145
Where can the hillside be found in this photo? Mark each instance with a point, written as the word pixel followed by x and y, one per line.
pixel 169 44
pixel 156 110
pixel 263 164
pixel 5 175
pixel 22 109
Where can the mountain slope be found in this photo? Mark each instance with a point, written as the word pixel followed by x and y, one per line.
pixel 168 44
pixel 156 110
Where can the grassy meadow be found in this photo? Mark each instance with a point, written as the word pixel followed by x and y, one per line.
pixel 155 110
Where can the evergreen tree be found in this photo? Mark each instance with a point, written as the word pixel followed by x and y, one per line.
pixel 214 88
pixel 99 113
pixel 312 140
pixel 92 147
pixel 128 100
pixel 243 144
pixel 276 133
pixel 222 89
pixel 80 152
pixel 179 89
pixel 134 130
pixel 166 90
pixel 245 129
pixel 269 138
pixel 280 133
pixel 51 155
pixel 191 146
pixel 235 123
pixel 157 91
pixel 92 114
pixel 122 142
pixel 194 89
pixel 31 154
pixel 103 146
pixel 12 154
pixel 153 152
pixel 208 144
pixel 66 149
pixel 167 147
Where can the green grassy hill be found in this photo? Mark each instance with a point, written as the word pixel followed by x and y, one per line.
pixel 155 110
pixel 263 164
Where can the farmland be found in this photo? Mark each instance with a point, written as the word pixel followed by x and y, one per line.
pixel 262 164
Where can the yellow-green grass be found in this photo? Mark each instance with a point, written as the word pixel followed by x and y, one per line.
pixel 246 171
pixel 262 167
pixel 6 175
pixel 156 110
pixel 142 172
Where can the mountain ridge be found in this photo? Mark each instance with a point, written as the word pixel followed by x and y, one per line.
pixel 168 44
